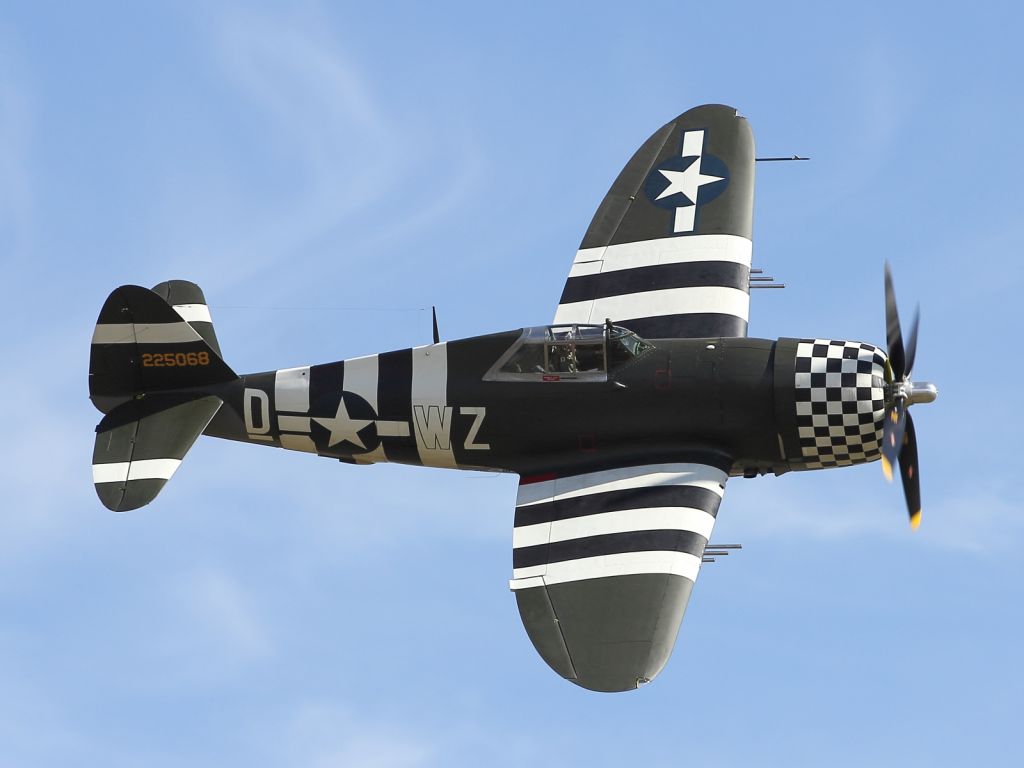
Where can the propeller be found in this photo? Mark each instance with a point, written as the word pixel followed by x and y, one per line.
pixel 899 441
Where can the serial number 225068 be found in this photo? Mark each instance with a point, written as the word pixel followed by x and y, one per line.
pixel 174 359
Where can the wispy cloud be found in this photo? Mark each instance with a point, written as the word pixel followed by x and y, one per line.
pixel 872 100
pixel 45 474
pixel 848 504
pixel 323 735
pixel 223 614
pixel 339 512
pixel 882 82
pixel 789 507
pixel 342 150
pixel 16 187
pixel 976 520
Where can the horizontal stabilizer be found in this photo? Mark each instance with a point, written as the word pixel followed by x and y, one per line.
pixel 141 443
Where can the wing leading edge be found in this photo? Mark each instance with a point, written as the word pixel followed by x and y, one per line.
pixel 604 562
pixel 668 252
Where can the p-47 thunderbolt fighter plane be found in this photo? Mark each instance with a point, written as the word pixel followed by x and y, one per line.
pixel 624 419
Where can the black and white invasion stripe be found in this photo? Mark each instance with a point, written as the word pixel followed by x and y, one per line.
pixel 174 332
pixel 188 301
pixel 840 402
pixel 653 519
pixel 378 408
pixel 673 287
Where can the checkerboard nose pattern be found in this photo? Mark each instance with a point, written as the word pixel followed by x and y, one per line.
pixel 840 402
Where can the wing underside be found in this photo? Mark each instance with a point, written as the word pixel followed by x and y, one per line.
pixel 603 566
pixel 668 252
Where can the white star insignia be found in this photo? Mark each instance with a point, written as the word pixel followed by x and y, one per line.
pixel 343 427
pixel 687 182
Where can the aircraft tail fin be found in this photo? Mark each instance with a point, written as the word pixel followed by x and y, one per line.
pixel 143 344
pixel 155 370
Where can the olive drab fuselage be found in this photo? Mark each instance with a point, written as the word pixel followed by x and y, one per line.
pixel 453 405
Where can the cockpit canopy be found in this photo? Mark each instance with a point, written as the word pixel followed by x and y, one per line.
pixel 568 353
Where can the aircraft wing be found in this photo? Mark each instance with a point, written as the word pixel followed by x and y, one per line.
pixel 667 254
pixel 604 562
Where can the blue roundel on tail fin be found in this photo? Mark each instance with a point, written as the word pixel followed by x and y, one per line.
pixel 686 181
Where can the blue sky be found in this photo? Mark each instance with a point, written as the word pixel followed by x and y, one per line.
pixel 326 171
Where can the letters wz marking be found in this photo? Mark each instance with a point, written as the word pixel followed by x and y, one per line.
pixel 479 412
pixel 434 426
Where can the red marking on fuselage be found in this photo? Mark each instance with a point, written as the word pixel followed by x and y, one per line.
pixel 530 479
pixel 663 379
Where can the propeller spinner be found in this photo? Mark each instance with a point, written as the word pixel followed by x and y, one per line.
pixel 899 441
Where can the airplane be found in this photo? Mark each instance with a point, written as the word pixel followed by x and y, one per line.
pixel 624 418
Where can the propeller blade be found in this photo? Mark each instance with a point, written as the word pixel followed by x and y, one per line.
pixel 893 335
pixel 912 341
pixel 910 475
pixel 892 435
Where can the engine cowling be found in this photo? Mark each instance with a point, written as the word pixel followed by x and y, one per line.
pixel 830 401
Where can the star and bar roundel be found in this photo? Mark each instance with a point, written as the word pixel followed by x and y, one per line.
pixel 685 182
pixel 667 254
pixel 352 427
